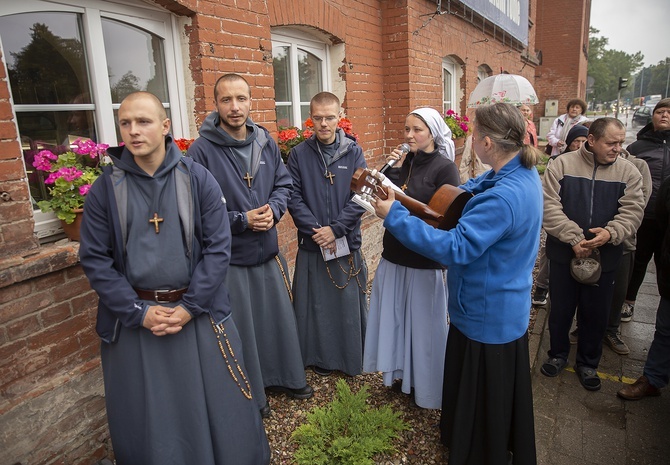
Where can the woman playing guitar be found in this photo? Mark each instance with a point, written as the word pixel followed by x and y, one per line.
pixel 407 323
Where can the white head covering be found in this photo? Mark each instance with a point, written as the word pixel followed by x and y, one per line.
pixel 439 130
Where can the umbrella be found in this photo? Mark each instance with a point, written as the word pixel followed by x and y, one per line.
pixel 503 88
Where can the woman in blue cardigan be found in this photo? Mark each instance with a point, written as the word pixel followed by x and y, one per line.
pixel 487 405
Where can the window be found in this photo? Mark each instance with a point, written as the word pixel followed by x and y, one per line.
pixel 448 84
pixel 69 65
pixel 483 71
pixel 301 71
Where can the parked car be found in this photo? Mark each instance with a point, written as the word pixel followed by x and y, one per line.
pixel 642 115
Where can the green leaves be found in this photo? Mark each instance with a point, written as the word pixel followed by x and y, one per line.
pixel 347 431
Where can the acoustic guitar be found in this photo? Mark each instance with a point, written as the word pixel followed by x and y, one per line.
pixel 442 212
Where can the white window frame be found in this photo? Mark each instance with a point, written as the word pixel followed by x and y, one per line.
pixel 295 39
pixel 448 66
pixel 143 16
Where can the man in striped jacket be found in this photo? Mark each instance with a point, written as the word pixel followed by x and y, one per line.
pixel 592 200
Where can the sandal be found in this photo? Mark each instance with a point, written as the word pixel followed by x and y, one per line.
pixel 588 377
pixel 553 366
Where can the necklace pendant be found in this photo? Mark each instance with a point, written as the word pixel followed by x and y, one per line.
pixel 330 176
pixel 155 220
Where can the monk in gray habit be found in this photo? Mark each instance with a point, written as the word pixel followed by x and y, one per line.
pixel 155 245
pixel 247 165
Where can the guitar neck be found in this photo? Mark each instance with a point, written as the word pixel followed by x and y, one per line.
pixel 419 209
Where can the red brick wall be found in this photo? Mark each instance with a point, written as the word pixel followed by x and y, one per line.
pixel 562 35
pixel 16 223
pixel 51 395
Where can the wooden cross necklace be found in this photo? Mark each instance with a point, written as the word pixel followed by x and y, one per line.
pixel 248 179
pixel 404 186
pixel 155 219
pixel 327 173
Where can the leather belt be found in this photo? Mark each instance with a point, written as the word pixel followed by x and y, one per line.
pixel 161 296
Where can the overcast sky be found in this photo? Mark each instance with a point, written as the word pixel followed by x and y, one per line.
pixel 634 26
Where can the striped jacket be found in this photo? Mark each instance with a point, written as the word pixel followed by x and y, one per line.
pixel 580 194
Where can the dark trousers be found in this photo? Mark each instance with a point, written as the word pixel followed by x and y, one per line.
pixel 657 368
pixel 594 302
pixel 649 236
pixel 621 280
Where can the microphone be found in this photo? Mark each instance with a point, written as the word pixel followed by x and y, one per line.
pixel 404 148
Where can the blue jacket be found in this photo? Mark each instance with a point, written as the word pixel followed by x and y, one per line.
pixel 271 185
pixel 315 202
pixel 102 250
pixel 490 253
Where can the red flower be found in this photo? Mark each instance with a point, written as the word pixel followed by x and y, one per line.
pixel 183 144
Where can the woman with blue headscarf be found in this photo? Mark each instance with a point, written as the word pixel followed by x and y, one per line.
pixel 407 326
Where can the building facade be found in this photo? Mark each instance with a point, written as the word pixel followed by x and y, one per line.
pixel 67 64
pixel 563 38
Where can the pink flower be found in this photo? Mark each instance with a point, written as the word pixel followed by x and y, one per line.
pixel 450 112
pixel 88 147
pixel 41 161
pixel 83 190
pixel 69 174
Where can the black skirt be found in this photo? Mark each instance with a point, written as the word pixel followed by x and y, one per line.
pixel 487 402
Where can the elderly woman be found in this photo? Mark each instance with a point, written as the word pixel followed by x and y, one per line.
pixel 407 324
pixel 487 406
pixel 561 127
pixel 531 130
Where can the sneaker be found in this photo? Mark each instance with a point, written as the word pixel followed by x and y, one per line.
pixel 614 342
pixel 574 334
pixel 627 312
pixel 540 296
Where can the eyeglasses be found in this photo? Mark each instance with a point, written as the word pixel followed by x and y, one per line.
pixel 329 119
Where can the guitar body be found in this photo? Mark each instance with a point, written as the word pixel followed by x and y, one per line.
pixel 450 200
pixel 442 212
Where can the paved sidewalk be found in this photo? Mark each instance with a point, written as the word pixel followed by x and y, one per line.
pixel 576 427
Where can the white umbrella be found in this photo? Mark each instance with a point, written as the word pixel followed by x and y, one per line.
pixel 503 88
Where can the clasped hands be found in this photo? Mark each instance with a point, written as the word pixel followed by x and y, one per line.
pixel 584 248
pixel 260 219
pixel 162 321
pixel 325 238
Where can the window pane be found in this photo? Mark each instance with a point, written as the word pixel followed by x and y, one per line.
pixel 135 61
pixel 282 71
pixel 53 130
pixel 447 86
pixel 284 119
pixel 309 69
pixel 304 113
pixel 45 58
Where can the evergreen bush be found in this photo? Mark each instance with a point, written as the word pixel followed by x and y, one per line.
pixel 347 431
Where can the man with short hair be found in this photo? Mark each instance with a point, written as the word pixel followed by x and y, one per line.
pixel 155 246
pixel 651 147
pixel 329 284
pixel 592 200
pixel 248 166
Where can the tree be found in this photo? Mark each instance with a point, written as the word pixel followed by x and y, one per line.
pixel 49 69
pixel 653 80
pixel 607 66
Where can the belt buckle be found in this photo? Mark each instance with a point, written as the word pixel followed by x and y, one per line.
pixel 157 299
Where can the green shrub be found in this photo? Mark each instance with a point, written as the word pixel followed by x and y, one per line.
pixel 347 431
